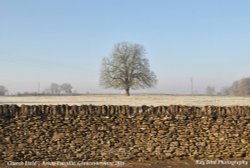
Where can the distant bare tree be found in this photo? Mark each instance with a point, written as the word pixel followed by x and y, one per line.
pixel 66 88
pixel 210 91
pixel 46 91
pixel 244 87
pixel 127 68
pixel 3 90
pixel 235 88
pixel 54 88
pixel 224 91
pixel 239 88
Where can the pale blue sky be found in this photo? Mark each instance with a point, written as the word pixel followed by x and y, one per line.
pixel 44 41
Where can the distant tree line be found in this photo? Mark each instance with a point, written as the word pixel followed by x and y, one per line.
pixel 210 91
pixel 55 88
pixel 238 88
pixel 3 90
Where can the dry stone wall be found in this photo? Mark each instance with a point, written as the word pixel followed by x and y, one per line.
pixel 122 133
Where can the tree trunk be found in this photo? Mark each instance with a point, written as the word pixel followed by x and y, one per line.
pixel 127 92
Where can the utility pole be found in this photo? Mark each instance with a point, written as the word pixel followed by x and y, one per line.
pixel 192 86
pixel 38 88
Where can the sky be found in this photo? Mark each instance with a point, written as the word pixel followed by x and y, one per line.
pixel 65 40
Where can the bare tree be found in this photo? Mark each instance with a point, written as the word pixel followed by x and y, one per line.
pixel 244 87
pixel 210 91
pixel 127 68
pixel 239 88
pixel 224 91
pixel 3 90
pixel 54 88
pixel 66 88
